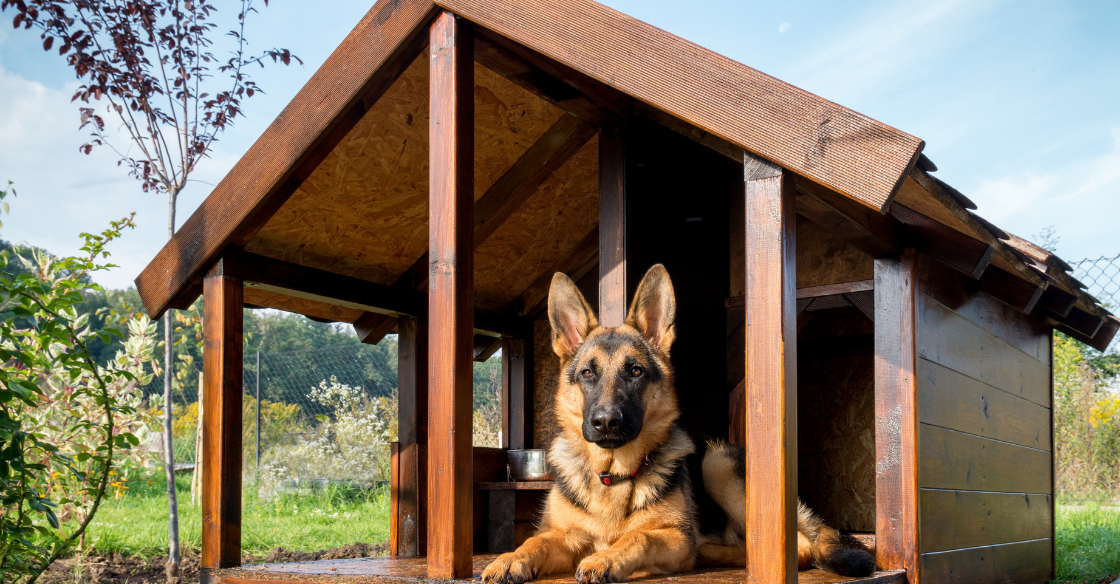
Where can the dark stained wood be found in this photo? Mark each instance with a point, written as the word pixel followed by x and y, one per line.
pixel 580 260
pixel 451 298
pixel 868 230
pixel 412 432
pixel 371 327
pixel 612 225
pixel 398 570
pixel 394 497
pixel 314 284
pixel 1013 291
pixel 954 460
pixel 503 435
pixel 961 252
pixel 520 394
pixel 1025 562
pixel 221 425
pixel 731 151
pixel 1081 325
pixel 926 164
pixel 383 44
pixel 1057 301
pixel 829 144
pixel 833 289
pixel 962 295
pixel 510 61
pixel 771 366
pixel 955 401
pixel 516 486
pixel 896 420
pixel 948 338
pixel 485 346
pixel 737 414
pixel 963 519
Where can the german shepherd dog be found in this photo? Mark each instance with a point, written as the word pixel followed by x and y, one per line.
pixel 622 505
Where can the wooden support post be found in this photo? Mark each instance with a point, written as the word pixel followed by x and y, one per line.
pixel 520 394
pixel 771 366
pixel 412 433
pixel 896 418
pixel 221 425
pixel 394 498
pixel 503 436
pixel 612 225
pixel 450 298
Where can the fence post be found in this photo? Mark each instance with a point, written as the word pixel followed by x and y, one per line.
pixel 258 412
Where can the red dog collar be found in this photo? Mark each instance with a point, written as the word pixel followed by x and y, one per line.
pixel 609 479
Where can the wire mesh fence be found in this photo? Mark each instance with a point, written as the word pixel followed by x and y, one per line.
pixel 326 416
pixel 1101 276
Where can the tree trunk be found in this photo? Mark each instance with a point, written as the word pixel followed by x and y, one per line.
pixel 169 451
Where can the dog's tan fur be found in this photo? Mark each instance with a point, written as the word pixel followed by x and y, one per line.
pixel 646 525
pixel 643 526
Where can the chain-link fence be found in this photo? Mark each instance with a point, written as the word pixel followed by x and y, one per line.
pixel 316 417
pixel 1101 276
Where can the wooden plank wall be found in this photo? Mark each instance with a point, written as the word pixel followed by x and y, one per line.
pixel 984 435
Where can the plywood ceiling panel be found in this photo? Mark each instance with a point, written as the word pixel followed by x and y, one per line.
pixel 364 211
pixel 543 231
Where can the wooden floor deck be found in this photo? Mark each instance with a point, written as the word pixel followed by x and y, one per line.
pixel 386 570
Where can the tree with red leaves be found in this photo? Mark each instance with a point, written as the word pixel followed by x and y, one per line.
pixel 149 62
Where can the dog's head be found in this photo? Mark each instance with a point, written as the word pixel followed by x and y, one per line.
pixel 614 381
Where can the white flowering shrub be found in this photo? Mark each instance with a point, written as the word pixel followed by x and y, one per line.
pixel 351 443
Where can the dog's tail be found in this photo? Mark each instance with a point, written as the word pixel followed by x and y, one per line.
pixel 829 549
pixel 818 545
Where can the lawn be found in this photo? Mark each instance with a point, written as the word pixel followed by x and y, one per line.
pixel 1088 544
pixel 136 524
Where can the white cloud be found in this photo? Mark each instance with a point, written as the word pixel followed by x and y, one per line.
pixel 1081 200
pixel 783 27
pixel 63 192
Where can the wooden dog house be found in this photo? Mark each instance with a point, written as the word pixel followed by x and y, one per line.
pixel 883 350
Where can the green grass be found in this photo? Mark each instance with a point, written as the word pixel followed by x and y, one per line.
pixel 1088 544
pixel 136 525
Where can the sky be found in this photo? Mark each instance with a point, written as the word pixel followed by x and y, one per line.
pixel 1017 103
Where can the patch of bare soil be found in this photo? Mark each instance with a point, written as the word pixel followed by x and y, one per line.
pixel 118 569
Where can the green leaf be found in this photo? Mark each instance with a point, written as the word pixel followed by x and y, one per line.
pixel 52 518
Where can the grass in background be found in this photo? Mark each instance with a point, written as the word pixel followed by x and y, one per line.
pixel 136 524
pixel 1088 544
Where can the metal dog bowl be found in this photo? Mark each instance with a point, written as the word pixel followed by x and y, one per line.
pixel 529 465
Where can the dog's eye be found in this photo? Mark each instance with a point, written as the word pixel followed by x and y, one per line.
pixel 586 373
pixel 636 371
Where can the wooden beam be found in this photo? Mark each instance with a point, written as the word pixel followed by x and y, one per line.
pixel 1081 325
pixel 389 39
pixel 580 260
pixel 612 225
pixel 1056 300
pixel 866 229
pixel 833 289
pixel 371 327
pixel 485 346
pixel 771 365
pixel 450 297
pixel 896 428
pixel 323 286
pixel 520 393
pixel 412 432
pixel 963 253
pixel 221 424
pixel 731 151
pixel 1012 290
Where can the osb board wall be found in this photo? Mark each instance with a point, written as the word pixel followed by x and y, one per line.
pixel 364 211
pixel 544 230
pixel 825 259
pixel 836 419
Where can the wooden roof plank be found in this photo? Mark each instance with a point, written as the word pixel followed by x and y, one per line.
pixel 829 144
pixel 323 110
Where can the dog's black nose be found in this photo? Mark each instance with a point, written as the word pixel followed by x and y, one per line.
pixel 607 421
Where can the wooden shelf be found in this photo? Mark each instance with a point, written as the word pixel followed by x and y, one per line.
pixel 516 486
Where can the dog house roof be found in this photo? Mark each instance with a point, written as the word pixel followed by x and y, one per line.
pixel 338 182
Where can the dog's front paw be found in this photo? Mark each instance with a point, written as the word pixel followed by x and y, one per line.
pixel 511 568
pixel 596 569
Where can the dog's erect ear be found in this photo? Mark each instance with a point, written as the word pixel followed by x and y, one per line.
pixel 654 309
pixel 570 316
